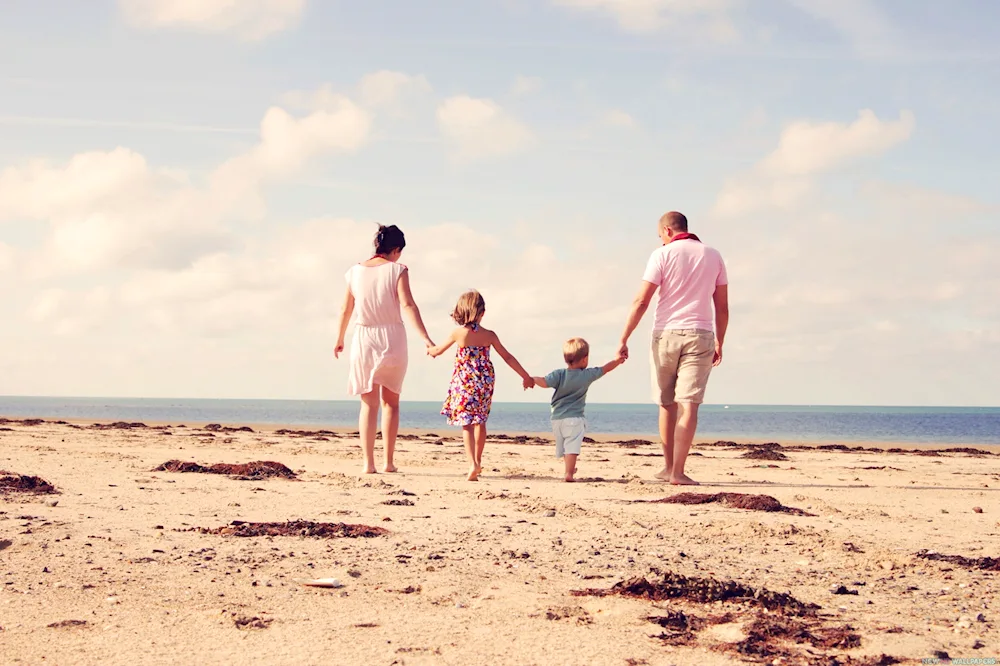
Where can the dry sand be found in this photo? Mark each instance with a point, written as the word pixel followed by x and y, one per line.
pixel 105 572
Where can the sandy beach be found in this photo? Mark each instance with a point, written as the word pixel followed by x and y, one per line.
pixel 867 557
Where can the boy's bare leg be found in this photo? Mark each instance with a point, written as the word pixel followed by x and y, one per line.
pixel 367 425
pixel 570 460
pixel 668 427
pixel 390 426
pixel 469 438
pixel 480 445
pixel 687 423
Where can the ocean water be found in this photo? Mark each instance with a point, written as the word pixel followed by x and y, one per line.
pixel 934 425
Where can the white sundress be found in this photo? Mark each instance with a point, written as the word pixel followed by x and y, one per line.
pixel 378 350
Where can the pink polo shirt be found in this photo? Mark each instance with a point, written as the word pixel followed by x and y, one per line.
pixel 687 273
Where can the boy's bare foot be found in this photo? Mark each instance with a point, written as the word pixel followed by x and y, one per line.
pixel 663 475
pixel 390 469
pixel 684 480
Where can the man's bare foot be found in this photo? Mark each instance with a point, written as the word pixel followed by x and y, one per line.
pixel 684 480
pixel 390 469
pixel 663 475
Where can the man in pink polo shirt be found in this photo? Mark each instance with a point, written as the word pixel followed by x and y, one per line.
pixel 692 315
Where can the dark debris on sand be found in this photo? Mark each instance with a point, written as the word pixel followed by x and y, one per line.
pixel 67 623
pixel 251 471
pixel 292 528
pixel 980 563
pixel 306 433
pixel 732 500
pixel 701 590
pixel 243 622
pixel 20 483
pixel 23 422
pixel 216 427
pixel 119 425
pixel 631 443
pixel 518 439
pixel 764 454
pixel 780 626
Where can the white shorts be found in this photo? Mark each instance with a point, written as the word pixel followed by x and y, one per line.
pixel 569 435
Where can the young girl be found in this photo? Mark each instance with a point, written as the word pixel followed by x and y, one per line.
pixel 470 394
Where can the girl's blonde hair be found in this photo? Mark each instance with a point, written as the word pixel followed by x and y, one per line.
pixel 469 309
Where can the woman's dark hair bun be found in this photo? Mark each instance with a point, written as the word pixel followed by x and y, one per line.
pixel 388 239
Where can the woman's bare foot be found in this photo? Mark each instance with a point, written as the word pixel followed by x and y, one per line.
pixel 370 470
pixel 473 474
pixel 390 469
pixel 663 475
pixel 684 480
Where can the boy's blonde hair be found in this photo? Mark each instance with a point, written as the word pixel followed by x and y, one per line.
pixel 470 308
pixel 575 350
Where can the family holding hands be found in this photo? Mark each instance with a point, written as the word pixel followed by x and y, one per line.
pixel 691 320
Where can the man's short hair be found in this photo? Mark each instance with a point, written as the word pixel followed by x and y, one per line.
pixel 575 349
pixel 675 221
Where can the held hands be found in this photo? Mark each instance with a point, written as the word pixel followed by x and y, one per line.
pixel 528 382
pixel 623 351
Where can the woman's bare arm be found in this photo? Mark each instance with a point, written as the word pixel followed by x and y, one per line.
pixel 345 319
pixel 410 306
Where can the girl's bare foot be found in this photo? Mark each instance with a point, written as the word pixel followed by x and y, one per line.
pixel 684 480
pixel 390 469
pixel 663 474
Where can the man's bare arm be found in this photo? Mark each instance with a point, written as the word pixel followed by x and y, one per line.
pixel 639 306
pixel 721 300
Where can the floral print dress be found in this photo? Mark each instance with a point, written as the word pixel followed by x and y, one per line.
pixel 470 394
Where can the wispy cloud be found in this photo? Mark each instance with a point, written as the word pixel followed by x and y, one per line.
pixel 247 19
pixel 37 121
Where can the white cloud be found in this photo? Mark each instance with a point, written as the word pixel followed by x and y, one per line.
pixel 7 258
pixel 649 16
pixel 481 128
pixel 526 85
pixel 38 189
pixel 861 21
pixel 386 88
pixel 807 147
pixel 248 19
pixel 110 209
pixel 619 118
pixel 785 178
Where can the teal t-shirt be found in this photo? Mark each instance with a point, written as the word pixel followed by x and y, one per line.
pixel 571 386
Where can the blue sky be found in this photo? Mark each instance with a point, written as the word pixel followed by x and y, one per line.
pixel 183 185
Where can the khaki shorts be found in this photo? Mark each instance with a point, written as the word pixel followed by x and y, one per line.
pixel 681 363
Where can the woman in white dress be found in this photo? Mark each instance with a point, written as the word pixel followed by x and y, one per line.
pixel 379 289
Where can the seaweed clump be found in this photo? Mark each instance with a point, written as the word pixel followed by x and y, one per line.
pixel 735 501
pixel 251 471
pixel 293 528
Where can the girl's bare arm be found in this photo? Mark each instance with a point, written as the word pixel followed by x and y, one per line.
pixel 410 306
pixel 437 350
pixel 510 360
pixel 345 318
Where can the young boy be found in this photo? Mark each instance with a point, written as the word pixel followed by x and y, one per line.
pixel 568 401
